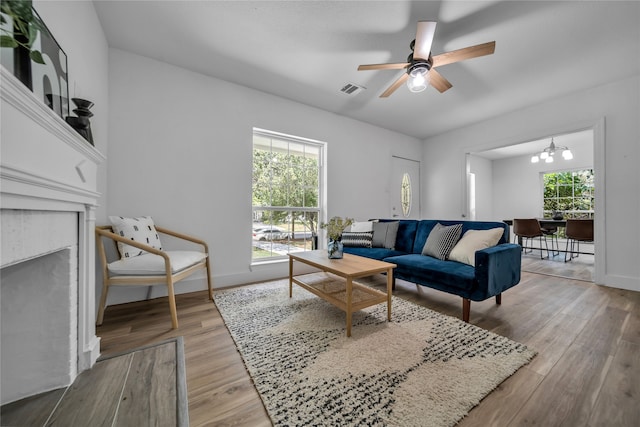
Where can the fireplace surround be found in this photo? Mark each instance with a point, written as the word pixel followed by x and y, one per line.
pixel 48 198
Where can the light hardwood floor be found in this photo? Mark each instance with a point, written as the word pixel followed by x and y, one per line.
pixel 586 373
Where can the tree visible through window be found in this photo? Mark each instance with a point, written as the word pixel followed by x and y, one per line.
pixel 570 193
pixel 286 194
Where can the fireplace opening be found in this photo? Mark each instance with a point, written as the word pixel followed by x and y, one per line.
pixel 39 318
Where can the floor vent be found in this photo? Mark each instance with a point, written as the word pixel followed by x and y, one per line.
pixel 351 89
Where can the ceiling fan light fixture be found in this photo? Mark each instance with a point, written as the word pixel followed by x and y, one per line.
pixel 418 83
pixel 419 77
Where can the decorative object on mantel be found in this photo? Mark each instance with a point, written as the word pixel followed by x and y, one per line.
pixel 32 54
pixel 81 123
pixel 548 153
pixel 335 227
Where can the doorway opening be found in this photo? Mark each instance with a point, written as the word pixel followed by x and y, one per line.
pixel 502 183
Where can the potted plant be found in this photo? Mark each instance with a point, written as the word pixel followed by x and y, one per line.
pixel 335 227
pixel 20 27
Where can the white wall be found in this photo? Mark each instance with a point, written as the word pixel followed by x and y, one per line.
pixel 517 183
pixel 76 28
pixel 181 150
pixel 483 170
pixel 617 227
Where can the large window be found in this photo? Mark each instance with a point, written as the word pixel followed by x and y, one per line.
pixel 571 193
pixel 286 194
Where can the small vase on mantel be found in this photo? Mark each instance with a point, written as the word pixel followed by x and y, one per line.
pixel 81 124
pixel 335 249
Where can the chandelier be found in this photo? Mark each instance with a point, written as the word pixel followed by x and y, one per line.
pixel 549 152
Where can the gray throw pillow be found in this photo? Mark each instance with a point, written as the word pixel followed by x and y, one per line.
pixel 441 240
pixel 384 234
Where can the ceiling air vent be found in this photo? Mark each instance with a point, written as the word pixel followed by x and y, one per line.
pixel 351 89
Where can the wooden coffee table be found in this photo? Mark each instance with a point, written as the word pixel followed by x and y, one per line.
pixel 336 285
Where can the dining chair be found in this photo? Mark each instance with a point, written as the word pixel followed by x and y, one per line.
pixel 578 230
pixel 147 264
pixel 528 229
pixel 552 232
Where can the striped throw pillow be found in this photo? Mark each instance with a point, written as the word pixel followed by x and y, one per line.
pixel 357 239
pixel 441 240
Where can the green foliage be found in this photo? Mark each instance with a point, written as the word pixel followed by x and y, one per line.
pixel 336 226
pixel 570 192
pixel 289 180
pixel 25 27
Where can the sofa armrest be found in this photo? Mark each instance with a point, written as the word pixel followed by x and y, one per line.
pixel 497 269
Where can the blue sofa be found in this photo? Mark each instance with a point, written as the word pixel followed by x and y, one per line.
pixel 496 268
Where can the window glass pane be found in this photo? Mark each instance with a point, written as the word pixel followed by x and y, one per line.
pixel 570 192
pixel 285 194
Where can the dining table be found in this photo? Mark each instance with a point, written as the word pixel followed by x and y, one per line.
pixel 546 223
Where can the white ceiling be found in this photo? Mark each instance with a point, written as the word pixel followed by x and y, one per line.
pixel 307 50
pixel 573 141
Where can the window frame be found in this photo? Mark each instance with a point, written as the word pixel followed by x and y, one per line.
pixel 572 213
pixel 321 197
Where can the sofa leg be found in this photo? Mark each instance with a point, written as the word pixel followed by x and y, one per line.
pixel 393 284
pixel 466 309
pixel 499 299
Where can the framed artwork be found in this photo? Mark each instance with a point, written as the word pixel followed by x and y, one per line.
pixel 50 80
pixel 47 80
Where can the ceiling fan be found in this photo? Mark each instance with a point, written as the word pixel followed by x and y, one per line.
pixel 420 65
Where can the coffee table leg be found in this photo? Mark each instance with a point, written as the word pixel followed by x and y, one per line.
pixel 389 287
pixel 349 289
pixel 290 277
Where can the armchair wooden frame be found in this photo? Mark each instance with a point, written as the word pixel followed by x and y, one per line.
pixel 169 278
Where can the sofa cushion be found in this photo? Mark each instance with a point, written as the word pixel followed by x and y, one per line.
pixel 441 240
pixel 384 234
pixel 357 239
pixel 375 253
pixel 474 240
pixel 139 229
pixel 153 265
pixel 433 272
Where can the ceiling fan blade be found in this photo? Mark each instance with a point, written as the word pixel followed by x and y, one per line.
pixel 439 82
pixel 424 39
pixel 403 78
pixel 464 53
pixel 396 66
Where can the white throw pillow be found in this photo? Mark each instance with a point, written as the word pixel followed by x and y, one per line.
pixel 474 240
pixel 361 227
pixel 140 229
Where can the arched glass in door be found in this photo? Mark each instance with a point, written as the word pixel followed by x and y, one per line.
pixel 405 195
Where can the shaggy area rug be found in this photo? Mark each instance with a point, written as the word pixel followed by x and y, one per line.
pixel 421 369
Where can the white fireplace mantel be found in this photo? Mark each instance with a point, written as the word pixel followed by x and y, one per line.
pixel 45 165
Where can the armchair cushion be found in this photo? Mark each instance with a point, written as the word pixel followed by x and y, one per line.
pixel 139 229
pixel 150 265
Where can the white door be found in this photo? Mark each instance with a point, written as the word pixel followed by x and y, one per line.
pixel 405 188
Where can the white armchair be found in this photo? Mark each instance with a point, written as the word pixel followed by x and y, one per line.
pixel 154 266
